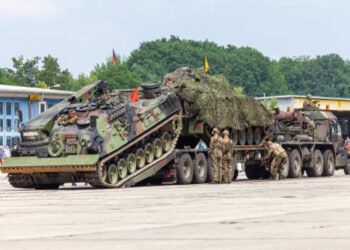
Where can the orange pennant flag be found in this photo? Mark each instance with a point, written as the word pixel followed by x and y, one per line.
pixel 114 58
pixel 135 95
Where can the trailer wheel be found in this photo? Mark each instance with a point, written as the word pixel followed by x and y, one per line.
pixel 316 169
pixel 284 170
pixel 200 169
pixel 235 136
pixel 294 164
pixel 252 172
pixel 328 163
pixel 347 168
pixel 185 169
pixel 258 135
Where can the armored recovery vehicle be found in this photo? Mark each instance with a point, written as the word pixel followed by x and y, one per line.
pixel 108 140
pixel 313 141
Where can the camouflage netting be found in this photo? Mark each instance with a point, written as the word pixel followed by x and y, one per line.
pixel 211 99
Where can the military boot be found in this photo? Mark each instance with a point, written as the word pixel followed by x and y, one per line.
pixel 276 177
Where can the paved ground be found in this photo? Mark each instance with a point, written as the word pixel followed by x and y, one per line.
pixel 308 213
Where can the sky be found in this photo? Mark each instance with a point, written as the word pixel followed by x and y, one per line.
pixel 82 33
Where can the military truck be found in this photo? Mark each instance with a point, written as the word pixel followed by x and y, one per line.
pixel 121 138
pixel 313 141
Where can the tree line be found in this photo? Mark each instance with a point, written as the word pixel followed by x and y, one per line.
pixel 245 68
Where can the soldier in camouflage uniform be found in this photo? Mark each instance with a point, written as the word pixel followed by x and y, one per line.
pixel 227 151
pixel 279 157
pixel 310 104
pixel 215 152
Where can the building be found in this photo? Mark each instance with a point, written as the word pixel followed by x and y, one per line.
pixel 339 106
pixel 16 100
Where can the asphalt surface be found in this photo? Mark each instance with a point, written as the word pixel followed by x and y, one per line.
pixel 306 213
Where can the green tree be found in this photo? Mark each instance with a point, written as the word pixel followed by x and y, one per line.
pixel 24 72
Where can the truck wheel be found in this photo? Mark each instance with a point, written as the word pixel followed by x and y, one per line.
pixel 347 168
pixel 210 176
pixel 316 169
pixel 250 136
pixel 294 164
pixel 185 169
pixel 284 170
pixel 252 172
pixel 242 137
pixel 200 170
pixel 328 163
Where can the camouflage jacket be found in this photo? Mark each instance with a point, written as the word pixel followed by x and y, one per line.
pixel 215 144
pixel 227 149
pixel 274 150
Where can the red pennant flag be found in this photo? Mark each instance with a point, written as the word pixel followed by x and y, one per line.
pixel 134 95
pixel 114 58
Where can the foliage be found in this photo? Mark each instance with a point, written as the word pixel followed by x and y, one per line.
pixel 247 70
pixel 270 104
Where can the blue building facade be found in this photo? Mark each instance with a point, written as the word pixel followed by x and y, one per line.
pixel 28 101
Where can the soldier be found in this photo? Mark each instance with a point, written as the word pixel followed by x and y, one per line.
pixel 215 152
pixel 71 118
pixel 227 150
pixel 310 104
pixel 279 157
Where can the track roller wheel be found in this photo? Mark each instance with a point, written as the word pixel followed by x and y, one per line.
pixel 166 141
pixel 250 136
pixel 258 135
pixel 122 168
pixel 158 148
pixel 242 137
pixel 235 136
pixel 149 152
pixel 132 163
pixel 112 174
pixel 140 158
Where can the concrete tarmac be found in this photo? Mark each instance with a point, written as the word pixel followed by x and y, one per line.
pixel 306 213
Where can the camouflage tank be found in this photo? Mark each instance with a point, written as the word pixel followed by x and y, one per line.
pixel 101 138
pixel 209 101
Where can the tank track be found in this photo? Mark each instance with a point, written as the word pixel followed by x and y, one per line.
pixel 21 180
pixel 97 179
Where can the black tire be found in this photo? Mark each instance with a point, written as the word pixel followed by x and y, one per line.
pixel 200 170
pixel 284 171
pixel 316 169
pixel 328 163
pixel 250 136
pixel 242 137
pixel 294 164
pixel 184 171
pixel 252 172
pixel 347 168
pixel 210 176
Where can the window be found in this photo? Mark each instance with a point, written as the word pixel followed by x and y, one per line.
pixel 8 108
pixel 42 107
pixel 15 140
pixel 1 125
pixel 8 140
pixel 16 127
pixel 1 108
pixel 8 125
pixel 16 108
pixel 1 140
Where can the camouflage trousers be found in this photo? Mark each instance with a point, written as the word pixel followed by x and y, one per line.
pixel 277 163
pixel 227 170
pixel 216 165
